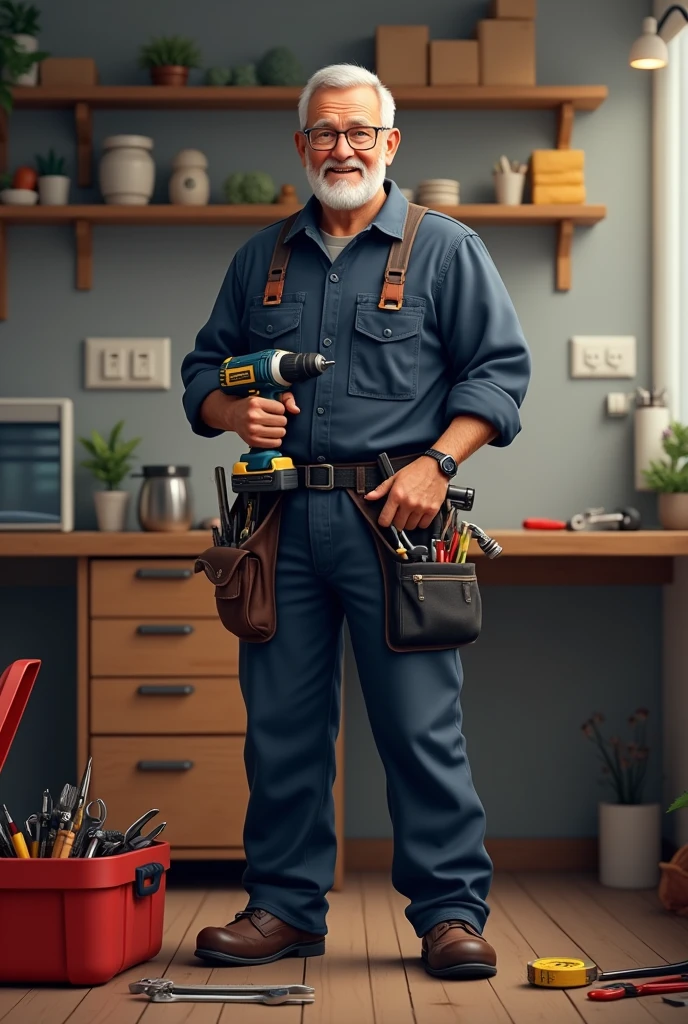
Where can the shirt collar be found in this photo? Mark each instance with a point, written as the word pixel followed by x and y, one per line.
pixel 390 218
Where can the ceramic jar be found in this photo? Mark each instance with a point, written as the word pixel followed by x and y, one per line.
pixel 629 845
pixel 53 189
pixel 127 170
pixel 190 184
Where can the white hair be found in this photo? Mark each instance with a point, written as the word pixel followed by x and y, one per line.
pixel 347 76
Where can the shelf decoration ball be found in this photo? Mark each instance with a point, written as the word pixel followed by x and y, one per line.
pixel 244 74
pixel 218 76
pixel 249 187
pixel 279 66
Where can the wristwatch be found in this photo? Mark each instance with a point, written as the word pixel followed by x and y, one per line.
pixel 446 463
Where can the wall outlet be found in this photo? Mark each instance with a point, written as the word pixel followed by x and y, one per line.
pixel 603 356
pixel 127 363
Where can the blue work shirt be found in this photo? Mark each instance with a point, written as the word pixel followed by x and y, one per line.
pixel 400 376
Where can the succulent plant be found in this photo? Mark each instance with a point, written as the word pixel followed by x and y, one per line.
pixel 249 187
pixel 170 51
pixel 218 76
pixel 244 74
pixel 19 18
pixel 110 460
pixel 50 164
pixel 279 66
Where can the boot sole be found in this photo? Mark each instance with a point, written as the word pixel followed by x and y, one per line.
pixel 227 960
pixel 467 972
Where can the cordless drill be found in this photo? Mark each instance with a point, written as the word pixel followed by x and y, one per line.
pixel 268 374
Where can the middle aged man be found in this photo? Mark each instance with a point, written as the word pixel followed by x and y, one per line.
pixel 447 372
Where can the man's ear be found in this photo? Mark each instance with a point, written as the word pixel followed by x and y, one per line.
pixel 300 143
pixel 393 140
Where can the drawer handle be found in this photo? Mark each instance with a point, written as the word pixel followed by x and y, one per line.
pixel 166 691
pixel 164 766
pixel 169 629
pixel 163 574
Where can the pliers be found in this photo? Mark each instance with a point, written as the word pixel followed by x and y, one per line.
pixel 623 989
pixel 133 840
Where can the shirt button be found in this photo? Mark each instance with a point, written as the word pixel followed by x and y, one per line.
pixel 320 410
pixel 387 332
pixel 269 328
pixel 334 278
pixel 327 342
pixel 321 458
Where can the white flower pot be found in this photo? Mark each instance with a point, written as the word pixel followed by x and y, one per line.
pixel 127 170
pixel 28 44
pixel 111 509
pixel 509 187
pixel 673 511
pixel 53 189
pixel 630 845
pixel 189 184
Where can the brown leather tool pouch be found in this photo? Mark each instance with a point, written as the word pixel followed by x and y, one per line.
pixel 244 579
pixel 429 606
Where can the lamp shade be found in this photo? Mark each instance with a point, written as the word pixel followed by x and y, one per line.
pixel 649 51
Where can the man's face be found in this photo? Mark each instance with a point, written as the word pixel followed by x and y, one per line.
pixel 345 178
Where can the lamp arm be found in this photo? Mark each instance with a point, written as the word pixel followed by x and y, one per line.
pixel 670 10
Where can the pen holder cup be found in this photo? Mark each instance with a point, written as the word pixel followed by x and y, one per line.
pixel 509 187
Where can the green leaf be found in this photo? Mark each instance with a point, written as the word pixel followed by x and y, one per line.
pixel 681 801
pixel 114 434
pixel 99 444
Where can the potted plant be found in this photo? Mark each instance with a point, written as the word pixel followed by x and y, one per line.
pixel 673 887
pixel 110 462
pixel 19 24
pixel 629 830
pixel 53 183
pixel 670 479
pixel 169 59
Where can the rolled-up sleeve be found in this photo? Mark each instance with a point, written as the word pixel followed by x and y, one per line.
pixel 219 338
pixel 488 355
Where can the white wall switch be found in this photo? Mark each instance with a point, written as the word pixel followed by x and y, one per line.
pixel 127 363
pixel 603 356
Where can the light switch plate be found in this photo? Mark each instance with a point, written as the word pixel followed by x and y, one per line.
pixel 603 356
pixel 132 364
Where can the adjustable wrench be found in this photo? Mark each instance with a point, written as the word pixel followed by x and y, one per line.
pixel 161 990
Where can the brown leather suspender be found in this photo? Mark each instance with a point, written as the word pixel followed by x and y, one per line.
pixel 392 295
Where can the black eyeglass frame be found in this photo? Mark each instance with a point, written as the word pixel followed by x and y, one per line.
pixel 356 127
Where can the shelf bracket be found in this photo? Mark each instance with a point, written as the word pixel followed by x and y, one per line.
pixel 564 243
pixel 565 117
pixel 84 138
pixel 84 255
pixel 3 271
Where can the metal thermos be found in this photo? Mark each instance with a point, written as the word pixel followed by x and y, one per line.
pixel 165 502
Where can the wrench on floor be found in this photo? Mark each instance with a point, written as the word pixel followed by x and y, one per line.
pixel 161 990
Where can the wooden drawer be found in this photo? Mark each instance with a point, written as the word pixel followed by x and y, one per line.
pixel 141 647
pixel 204 805
pixel 162 586
pixel 146 706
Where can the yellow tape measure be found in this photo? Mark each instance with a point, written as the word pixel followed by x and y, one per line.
pixel 561 972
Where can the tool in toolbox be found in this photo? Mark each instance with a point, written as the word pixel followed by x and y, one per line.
pixel 162 990
pixel 268 374
pixel 624 989
pixel 17 839
pixel 592 519
pixel 571 972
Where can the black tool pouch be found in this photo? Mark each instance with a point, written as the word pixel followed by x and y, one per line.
pixel 430 606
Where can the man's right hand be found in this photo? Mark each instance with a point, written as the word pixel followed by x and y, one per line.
pixel 260 422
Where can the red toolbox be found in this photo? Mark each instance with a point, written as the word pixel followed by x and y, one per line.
pixel 75 920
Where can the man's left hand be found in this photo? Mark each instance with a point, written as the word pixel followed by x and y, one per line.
pixel 414 495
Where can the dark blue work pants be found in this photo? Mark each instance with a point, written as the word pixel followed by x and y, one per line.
pixel 328 568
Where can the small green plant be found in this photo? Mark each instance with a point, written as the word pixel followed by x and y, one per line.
pixel 279 66
pixel 244 74
pixel 170 51
pixel 251 187
pixel 623 765
pixel 110 460
pixel 679 802
pixel 5 181
pixel 19 18
pixel 218 76
pixel 671 477
pixel 50 164
pixel 14 62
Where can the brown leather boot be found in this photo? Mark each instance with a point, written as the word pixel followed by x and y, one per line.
pixel 255 937
pixel 454 949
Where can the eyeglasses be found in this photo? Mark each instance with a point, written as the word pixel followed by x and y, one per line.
pixel 359 137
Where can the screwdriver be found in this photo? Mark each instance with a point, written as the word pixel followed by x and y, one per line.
pixel 18 841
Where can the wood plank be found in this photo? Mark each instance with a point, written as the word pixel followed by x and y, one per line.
pixel 283 972
pixel 388 980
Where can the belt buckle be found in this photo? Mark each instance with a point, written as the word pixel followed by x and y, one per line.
pixel 329 486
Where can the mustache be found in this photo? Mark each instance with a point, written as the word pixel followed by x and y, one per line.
pixel 349 162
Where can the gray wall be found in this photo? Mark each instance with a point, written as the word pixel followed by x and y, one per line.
pixel 548 656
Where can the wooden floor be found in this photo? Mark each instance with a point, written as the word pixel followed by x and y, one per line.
pixel 371 973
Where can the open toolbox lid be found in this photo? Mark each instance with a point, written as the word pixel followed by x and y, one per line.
pixel 16 683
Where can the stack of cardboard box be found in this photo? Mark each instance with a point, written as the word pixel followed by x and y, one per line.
pixel 558 176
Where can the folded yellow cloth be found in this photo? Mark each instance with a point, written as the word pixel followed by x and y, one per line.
pixel 548 160
pixel 559 178
pixel 558 194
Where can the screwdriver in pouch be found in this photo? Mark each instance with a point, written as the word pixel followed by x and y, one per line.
pixel 18 841
pixel 415 552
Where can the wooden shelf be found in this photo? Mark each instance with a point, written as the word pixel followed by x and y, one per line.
pixel 85 217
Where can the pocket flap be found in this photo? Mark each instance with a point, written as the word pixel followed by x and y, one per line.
pixel 220 565
pixel 272 322
pixel 393 326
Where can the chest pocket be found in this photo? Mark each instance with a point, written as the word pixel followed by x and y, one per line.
pixel 276 326
pixel 385 350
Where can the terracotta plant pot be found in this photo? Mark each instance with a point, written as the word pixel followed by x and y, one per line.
pixel 673 511
pixel 173 74
pixel 673 886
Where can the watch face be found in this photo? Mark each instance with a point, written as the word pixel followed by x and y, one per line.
pixel 448 464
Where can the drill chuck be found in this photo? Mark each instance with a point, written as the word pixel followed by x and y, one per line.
pixel 293 367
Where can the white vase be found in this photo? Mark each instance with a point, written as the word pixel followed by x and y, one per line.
pixel 509 187
pixel 127 170
pixel 53 189
pixel 630 845
pixel 673 511
pixel 27 44
pixel 190 184
pixel 111 509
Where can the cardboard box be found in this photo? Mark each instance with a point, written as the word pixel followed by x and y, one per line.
pixel 401 54
pixel 513 9
pixel 507 52
pixel 61 71
pixel 454 62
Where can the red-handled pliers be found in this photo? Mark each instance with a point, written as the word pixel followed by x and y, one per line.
pixel 544 524
pixel 622 989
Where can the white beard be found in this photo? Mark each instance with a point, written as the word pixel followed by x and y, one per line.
pixel 345 194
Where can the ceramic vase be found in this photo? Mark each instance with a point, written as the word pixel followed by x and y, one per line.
pixel 53 189
pixel 127 170
pixel 509 187
pixel 673 511
pixel 630 845
pixel 28 44
pixel 111 510
pixel 189 184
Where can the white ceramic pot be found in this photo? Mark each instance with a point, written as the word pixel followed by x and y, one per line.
pixel 190 184
pixel 509 187
pixel 673 511
pixel 28 44
pixel 53 189
pixel 111 509
pixel 630 845
pixel 127 170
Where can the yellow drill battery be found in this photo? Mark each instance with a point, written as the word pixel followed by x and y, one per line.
pixel 561 972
